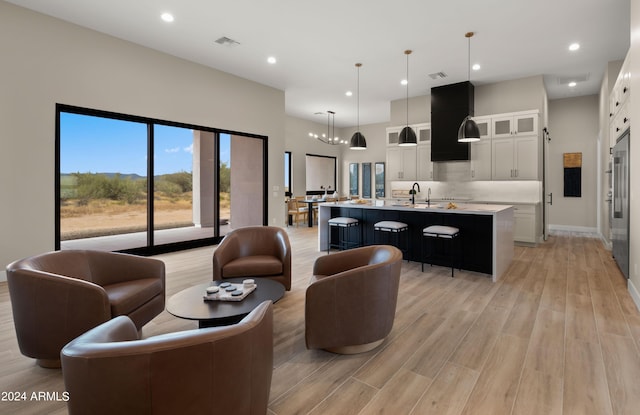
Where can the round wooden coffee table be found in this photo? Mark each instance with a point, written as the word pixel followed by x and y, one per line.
pixel 189 304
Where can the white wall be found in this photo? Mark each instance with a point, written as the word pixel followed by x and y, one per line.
pixel 574 126
pixel 47 61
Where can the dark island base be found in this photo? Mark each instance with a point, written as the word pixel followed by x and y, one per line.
pixel 476 235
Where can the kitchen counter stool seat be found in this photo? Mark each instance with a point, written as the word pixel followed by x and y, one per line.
pixel 441 232
pixel 392 228
pixel 344 225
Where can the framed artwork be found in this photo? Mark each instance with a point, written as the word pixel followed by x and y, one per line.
pixel 572 163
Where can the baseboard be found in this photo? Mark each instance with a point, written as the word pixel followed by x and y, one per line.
pixel 635 295
pixel 3 276
pixel 581 230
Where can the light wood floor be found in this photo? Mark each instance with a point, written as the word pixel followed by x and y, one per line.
pixel 559 335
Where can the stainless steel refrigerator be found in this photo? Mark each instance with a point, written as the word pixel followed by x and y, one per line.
pixel 620 208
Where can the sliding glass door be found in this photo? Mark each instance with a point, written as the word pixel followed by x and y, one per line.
pixel 103 182
pixel 131 184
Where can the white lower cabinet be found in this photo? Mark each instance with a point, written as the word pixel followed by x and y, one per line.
pixel 525 223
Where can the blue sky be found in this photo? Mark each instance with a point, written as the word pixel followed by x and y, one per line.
pixel 102 145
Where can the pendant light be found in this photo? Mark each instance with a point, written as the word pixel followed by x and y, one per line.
pixel 407 135
pixel 358 141
pixel 468 131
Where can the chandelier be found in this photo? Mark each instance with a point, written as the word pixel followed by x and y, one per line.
pixel 330 136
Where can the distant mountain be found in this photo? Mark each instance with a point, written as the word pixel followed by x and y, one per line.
pixel 132 176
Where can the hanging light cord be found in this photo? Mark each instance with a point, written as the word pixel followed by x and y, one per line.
pixel 358 65
pixel 407 52
pixel 331 117
pixel 469 35
pixel 469 59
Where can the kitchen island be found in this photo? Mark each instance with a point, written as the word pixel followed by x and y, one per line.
pixel 486 230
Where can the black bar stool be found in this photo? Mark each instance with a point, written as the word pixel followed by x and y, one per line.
pixel 344 226
pixel 441 232
pixel 389 228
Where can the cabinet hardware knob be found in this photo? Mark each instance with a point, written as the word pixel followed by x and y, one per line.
pixel 624 90
pixel 626 119
pixel 617 103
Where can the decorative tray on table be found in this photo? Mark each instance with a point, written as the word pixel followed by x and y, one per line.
pixel 228 291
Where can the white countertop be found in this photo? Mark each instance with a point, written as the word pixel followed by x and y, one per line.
pixel 441 207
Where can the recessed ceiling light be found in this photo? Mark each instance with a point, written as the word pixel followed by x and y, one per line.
pixel 476 67
pixel 271 60
pixel 167 17
pixel 574 46
pixel 348 93
pixel 404 82
pixel 572 84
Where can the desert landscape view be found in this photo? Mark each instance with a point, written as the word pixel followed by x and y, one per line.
pixel 94 205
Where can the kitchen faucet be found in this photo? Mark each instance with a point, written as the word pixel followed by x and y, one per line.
pixel 413 193
pixel 429 197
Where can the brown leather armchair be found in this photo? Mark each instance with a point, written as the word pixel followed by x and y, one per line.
pixel 351 301
pixel 217 370
pixel 59 295
pixel 254 251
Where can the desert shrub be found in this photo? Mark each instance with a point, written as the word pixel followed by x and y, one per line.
pixel 168 188
pixel 175 183
pixel 225 178
pixel 99 186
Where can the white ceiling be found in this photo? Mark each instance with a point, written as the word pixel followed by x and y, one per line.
pixel 317 43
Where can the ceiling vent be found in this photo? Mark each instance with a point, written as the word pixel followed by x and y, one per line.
pixel 437 75
pixel 564 80
pixel 225 41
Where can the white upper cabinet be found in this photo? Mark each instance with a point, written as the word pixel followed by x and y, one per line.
pixel 481 159
pixel 401 163
pixel 515 158
pixel 425 165
pixel 618 104
pixel 517 124
pixel 423 133
pixel 484 125
pixel 393 135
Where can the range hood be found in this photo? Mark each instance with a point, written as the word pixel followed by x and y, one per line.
pixel 450 104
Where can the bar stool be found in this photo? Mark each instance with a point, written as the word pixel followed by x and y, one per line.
pixel 441 232
pixel 392 228
pixel 344 226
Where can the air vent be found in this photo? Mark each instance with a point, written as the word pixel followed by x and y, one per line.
pixel 437 75
pixel 564 80
pixel 225 41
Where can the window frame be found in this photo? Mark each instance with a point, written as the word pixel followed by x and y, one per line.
pixel 151 248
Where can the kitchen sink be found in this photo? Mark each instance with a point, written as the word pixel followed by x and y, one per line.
pixel 424 205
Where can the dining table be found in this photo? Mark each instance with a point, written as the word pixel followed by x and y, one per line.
pixel 310 202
